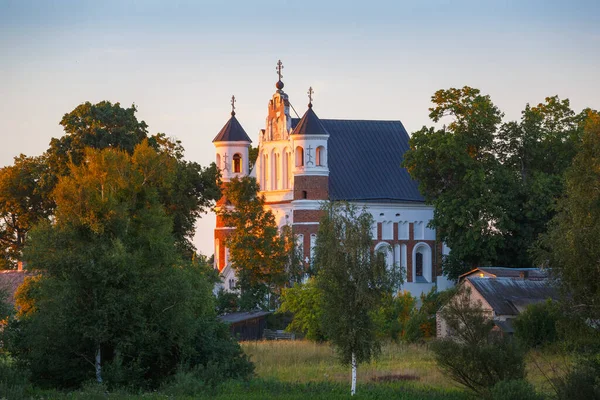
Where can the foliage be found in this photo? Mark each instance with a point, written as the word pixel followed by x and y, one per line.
pixel 23 203
pixel 13 382
pixel 473 356
pixel 571 247
pixel 493 184
pixel 582 381
pixel 393 315
pixel 537 325
pixel 516 389
pixel 259 252
pixel 304 301
pixel 352 280
pixel 114 299
pixel 227 302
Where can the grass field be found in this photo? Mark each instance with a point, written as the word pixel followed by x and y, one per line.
pixel 307 370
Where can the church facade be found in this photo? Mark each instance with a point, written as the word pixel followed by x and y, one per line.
pixel 303 162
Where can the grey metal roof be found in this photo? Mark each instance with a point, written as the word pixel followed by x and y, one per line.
pixel 310 124
pixel 232 132
pixel 242 316
pixel 507 272
pixel 509 296
pixel 364 158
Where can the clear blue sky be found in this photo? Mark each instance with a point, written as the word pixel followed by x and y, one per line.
pixel 180 61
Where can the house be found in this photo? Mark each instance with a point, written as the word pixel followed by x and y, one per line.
pixel 10 280
pixel 305 161
pixel 505 272
pixel 503 298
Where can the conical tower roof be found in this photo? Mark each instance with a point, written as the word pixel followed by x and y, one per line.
pixel 232 132
pixel 310 124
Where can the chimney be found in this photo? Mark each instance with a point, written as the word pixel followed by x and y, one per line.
pixel 19 265
pixel 524 274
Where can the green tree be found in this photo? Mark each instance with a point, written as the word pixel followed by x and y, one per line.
pixel 303 300
pixel 114 300
pixel 261 255
pixel 571 247
pixel 353 281
pixel 23 203
pixel 493 184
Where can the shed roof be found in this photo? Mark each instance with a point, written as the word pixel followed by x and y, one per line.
pixel 509 296
pixel 364 160
pixel 242 316
pixel 507 272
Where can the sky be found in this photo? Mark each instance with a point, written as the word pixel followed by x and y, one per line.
pixel 180 62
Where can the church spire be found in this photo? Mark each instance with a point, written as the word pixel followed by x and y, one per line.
pixel 279 84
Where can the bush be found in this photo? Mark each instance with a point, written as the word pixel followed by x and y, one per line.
pixel 475 357
pixel 518 389
pixel 13 381
pixel 537 325
pixel 582 382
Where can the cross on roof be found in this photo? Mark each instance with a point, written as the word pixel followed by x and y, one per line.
pixel 310 93
pixel 232 105
pixel 279 68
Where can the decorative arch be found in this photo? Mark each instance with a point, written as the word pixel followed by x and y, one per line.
pixel 217 249
pixel 422 263
pixel 218 161
pixel 275 170
pixel 299 156
pixel 285 170
pixel 385 249
pixel 321 156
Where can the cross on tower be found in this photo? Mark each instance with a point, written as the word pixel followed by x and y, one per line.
pixel 309 155
pixel 225 165
pixel 310 93
pixel 232 105
pixel 279 68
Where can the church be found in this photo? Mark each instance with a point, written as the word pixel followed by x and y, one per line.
pixel 305 161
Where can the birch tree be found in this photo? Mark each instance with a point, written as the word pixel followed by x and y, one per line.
pixel 353 280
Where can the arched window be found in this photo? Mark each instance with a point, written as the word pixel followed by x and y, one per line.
pixel 237 163
pixel 383 249
pixel 313 244
pixel 266 172
pixel 231 284
pixel 285 170
pixel 219 161
pixel 321 158
pixel 289 171
pixel 276 173
pixel 217 249
pixel 299 156
pixel 422 263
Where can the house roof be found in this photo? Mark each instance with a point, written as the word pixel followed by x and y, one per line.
pixel 364 160
pixel 509 296
pixel 506 272
pixel 232 132
pixel 242 316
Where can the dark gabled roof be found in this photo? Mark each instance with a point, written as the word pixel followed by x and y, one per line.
pixel 309 124
pixel 509 296
pixel 507 272
pixel 242 316
pixel 10 280
pixel 365 160
pixel 232 132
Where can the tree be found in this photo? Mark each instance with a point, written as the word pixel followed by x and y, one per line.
pixel 28 184
pixel 474 356
pixel 260 254
pixel 114 299
pixel 353 280
pixel 304 300
pixel 493 184
pixel 571 247
pixel 23 203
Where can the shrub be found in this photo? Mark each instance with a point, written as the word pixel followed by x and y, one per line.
pixel 474 357
pixel 303 300
pixel 582 382
pixel 13 381
pixel 536 326
pixel 516 389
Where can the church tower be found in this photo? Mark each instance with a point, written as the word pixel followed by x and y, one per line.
pixel 232 145
pixel 311 177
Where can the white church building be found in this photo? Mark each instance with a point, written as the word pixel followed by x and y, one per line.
pixel 305 161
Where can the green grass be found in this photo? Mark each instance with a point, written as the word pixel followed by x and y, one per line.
pixel 302 369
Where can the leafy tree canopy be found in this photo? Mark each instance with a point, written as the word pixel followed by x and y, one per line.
pixel 493 184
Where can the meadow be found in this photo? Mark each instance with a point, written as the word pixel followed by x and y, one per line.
pixel 301 369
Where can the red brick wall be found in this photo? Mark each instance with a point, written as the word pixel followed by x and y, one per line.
pixel 316 187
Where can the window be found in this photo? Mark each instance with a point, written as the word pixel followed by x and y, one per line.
pixel 321 156
pixel 237 163
pixel 219 161
pixel 217 249
pixel 231 284
pixel 304 194
pixel 276 173
pixel 419 265
pixel 299 156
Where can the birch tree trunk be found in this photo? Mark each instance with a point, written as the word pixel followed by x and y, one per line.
pixel 353 389
pixel 98 366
